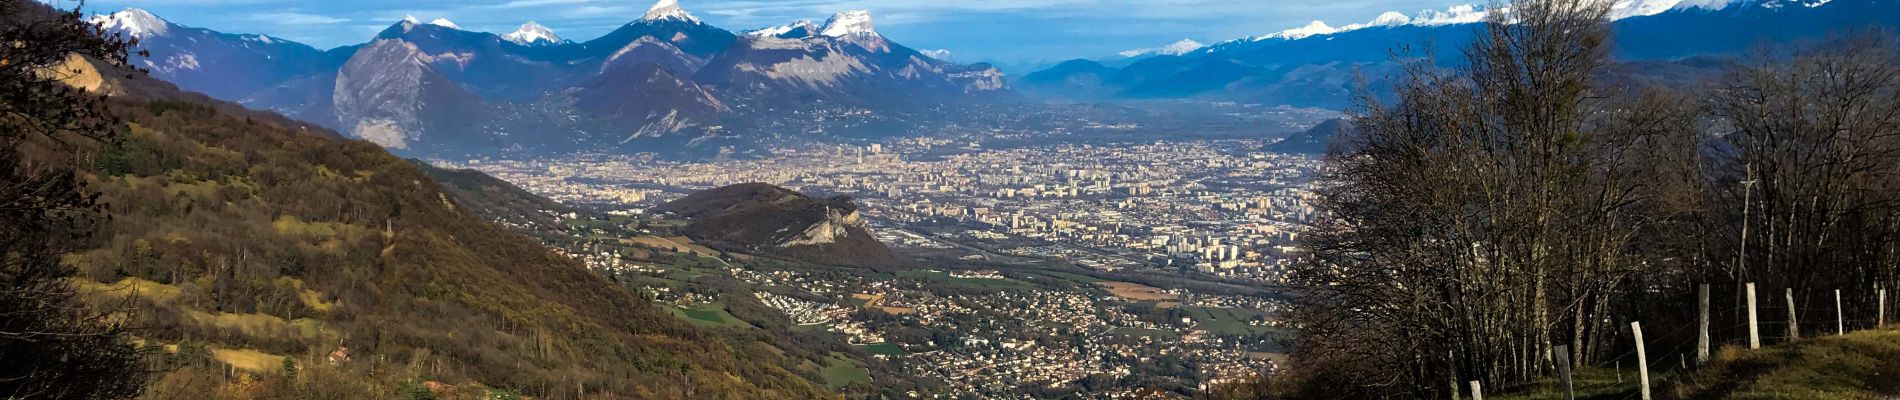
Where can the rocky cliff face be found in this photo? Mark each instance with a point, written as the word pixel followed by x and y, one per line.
pixel 837 225
pixel 773 220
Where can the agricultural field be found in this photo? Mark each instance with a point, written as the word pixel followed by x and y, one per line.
pixel 1228 321
pixel 711 315
pixel 1137 292
pixel 844 371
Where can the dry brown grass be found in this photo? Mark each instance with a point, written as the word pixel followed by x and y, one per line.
pixel 1137 292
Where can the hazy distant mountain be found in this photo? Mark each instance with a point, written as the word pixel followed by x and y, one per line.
pixel 223 65
pixel 1080 79
pixel 1316 64
pixel 664 80
pixel 775 220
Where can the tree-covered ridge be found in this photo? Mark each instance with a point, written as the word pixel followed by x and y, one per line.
pixel 262 239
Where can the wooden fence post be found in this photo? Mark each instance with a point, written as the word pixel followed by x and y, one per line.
pixel 1563 371
pixel 1477 391
pixel 1840 321
pixel 1882 299
pixel 1702 341
pixel 1754 331
pixel 1794 326
pixel 1642 357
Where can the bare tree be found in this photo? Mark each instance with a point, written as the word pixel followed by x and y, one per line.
pixel 1489 214
pixel 1811 170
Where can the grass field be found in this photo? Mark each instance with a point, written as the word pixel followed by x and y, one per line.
pixel 843 371
pixel 1228 321
pixel 886 349
pixel 249 360
pixel 1136 292
pixel 679 244
pixel 1860 365
pixel 154 291
pixel 1078 278
pixel 708 315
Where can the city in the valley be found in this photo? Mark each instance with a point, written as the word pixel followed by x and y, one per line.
pixel 1034 268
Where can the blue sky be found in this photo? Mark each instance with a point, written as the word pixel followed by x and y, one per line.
pixel 1007 31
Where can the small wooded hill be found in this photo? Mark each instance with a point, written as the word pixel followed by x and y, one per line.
pixel 1315 141
pixel 497 200
pixel 764 218
pixel 256 244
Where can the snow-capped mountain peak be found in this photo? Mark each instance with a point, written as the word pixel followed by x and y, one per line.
pixel 1173 49
pixel 445 23
pixel 533 34
pixel 1470 13
pixel 665 10
pixel 1314 28
pixel 133 22
pixel 854 22
pixel 1459 14
pixel 411 20
pixel 939 54
pixel 802 28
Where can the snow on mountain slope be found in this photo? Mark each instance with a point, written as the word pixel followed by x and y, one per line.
pixel 801 28
pixel 133 22
pixel 1472 13
pixel 533 34
pixel 224 65
pixel 1173 49
pixel 668 10
pixel 854 22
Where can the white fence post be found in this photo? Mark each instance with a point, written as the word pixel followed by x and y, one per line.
pixel 1477 391
pixel 1882 299
pixel 1642 357
pixel 1840 321
pixel 1754 331
pixel 1702 341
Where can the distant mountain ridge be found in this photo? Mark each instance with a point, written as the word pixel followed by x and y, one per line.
pixel 665 81
pixel 1317 65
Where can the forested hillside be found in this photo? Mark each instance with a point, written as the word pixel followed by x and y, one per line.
pixel 259 258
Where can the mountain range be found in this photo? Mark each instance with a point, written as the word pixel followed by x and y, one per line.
pixel 1319 65
pixel 666 80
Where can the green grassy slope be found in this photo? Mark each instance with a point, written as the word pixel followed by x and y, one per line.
pixel 1859 365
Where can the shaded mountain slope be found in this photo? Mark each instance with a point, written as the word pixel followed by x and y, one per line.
pixel 1313 141
pixel 499 201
